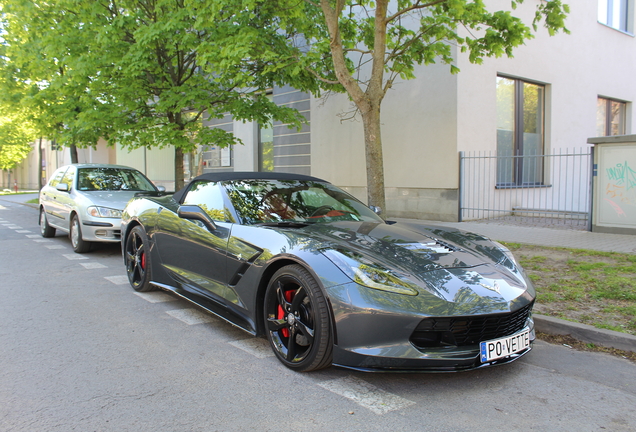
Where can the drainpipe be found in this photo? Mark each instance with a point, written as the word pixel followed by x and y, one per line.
pixel 459 189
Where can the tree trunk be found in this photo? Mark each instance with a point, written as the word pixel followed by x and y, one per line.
pixel 73 150
pixel 374 158
pixel 369 101
pixel 40 184
pixel 178 169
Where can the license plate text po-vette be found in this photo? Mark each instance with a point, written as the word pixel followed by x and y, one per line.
pixel 503 347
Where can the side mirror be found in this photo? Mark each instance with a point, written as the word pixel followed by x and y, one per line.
pixel 161 188
pixel 62 187
pixel 193 212
pixel 375 209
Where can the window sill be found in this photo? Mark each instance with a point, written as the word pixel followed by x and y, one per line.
pixel 618 30
pixel 522 186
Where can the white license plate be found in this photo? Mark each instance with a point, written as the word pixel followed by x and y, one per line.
pixel 499 348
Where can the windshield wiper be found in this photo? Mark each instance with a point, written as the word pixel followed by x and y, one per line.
pixel 290 224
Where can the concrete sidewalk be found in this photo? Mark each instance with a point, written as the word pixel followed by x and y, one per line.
pixel 20 198
pixel 542 236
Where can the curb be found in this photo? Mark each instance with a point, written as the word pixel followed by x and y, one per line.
pixel 585 333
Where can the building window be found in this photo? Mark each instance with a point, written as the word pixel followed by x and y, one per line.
pixel 520 133
pixel 266 148
pixel 610 117
pixel 266 145
pixel 615 13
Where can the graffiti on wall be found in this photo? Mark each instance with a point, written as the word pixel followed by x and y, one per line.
pixel 620 189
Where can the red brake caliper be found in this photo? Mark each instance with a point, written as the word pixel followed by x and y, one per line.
pixel 143 261
pixel 281 313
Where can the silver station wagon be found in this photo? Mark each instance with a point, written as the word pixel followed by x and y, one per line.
pixel 86 201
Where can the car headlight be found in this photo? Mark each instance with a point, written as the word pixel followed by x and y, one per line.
pixel 104 212
pixel 370 274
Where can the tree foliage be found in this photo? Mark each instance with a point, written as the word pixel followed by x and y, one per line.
pixel 146 72
pixel 143 72
pixel 16 136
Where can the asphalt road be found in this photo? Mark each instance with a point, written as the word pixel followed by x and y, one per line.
pixel 81 351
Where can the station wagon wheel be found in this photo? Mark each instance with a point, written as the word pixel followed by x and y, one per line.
pixel 75 233
pixel 138 260
pixel 297 320
pixel 45 229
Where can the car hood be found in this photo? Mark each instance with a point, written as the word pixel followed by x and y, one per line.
pixel 451 264
pixel 398 245
pixel 111 199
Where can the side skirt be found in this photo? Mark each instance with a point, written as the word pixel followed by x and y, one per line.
pixel 202 306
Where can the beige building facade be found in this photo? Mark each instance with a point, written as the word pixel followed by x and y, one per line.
pixel 554 94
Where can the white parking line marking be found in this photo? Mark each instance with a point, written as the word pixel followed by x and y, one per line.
pixel 14 227
pixel 42 241
pixel 93 265
pixel 74 256
pixel 55 246
pixel 23 231
pixel 191 316
pixel 259 348
pixel 366 394
pixel 118 280
pixel 156 297
pixel 33 236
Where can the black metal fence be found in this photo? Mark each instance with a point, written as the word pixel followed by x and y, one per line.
pixel 548 189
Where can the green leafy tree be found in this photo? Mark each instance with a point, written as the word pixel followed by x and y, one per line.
pixel 144 72
pixel 362 46
pixel 16 136
pixel 170 63
pixel 42 74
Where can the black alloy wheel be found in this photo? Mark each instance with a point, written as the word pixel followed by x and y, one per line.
pixel 138 260
pixel 46 230
pixel 297 320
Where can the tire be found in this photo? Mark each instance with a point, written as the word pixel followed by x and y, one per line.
pixel 297 320
pixel 46 230
pixel 137 258
pixel 75 233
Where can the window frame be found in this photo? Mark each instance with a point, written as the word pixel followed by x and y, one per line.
pixel 519 155
pixel 608 9
pixel 609 117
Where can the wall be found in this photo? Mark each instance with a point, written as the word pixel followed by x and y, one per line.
pixel 419 124
pixel 594 60
pixel 157 163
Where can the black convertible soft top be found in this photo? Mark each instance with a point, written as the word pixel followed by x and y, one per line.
pixel 245 175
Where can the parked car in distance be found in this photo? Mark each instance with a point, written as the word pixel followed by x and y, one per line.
pixel 86 201
pixel 327 280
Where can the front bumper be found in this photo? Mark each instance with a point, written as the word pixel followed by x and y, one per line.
pixel 376 331
pixel 406 358
pixel 106 230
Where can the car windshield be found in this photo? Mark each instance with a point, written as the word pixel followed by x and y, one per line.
pixel 273 201
pixel 112 179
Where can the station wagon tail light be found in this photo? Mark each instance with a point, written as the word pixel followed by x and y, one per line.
pixel 371 274
pixel 104 212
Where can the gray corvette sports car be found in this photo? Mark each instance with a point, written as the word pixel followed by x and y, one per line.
pixel 327 280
